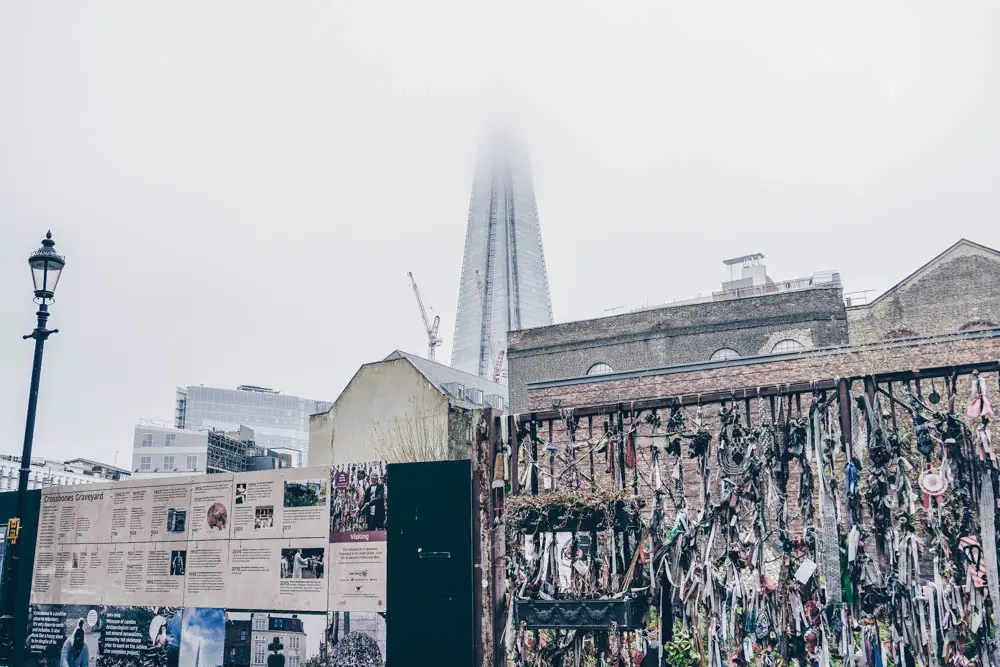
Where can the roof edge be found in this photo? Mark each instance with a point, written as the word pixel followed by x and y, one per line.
pixel 957 244
pixel 761 359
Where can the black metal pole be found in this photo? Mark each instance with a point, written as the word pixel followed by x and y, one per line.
pixel 12 553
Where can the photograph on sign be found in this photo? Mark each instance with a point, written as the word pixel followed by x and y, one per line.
pixel 241 493
pixel 176 519
pixel 305 493
pixel 64 634
pixel 178 563
pixel 203 636
pixel 252 636
pixel 210 508
pixel 263 517
pixel 217 517
pixel 356 638
pixel 140 636
pixel 359 499
pixel 297 563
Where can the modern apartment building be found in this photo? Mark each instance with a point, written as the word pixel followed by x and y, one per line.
pixel 51 472
pixel 280 421
pixel 159 450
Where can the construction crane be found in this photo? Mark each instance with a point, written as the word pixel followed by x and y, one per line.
pixel 498 366
pixel 431 327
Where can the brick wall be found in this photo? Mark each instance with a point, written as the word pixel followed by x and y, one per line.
pixel 674 335
pixel 958 290
pixel 807 366
pixel 819 365
pixel 641 477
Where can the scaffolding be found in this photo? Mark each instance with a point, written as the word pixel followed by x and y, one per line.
pixel 228 453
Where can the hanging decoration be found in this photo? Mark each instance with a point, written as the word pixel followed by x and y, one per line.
pixel 848 528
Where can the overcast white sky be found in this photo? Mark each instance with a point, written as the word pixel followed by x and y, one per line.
pixel 240 186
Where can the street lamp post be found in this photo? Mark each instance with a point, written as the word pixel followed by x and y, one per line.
pixel 46 267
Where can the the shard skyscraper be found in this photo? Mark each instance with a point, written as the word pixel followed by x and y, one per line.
pixel 504 286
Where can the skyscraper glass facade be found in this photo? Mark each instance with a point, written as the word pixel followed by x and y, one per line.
pixel 504 286
pixel 280 421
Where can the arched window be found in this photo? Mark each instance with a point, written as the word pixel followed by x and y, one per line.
pixel 978 324
pixel 600 368
pixel 786 345
pixel 724 353
pixel 899 333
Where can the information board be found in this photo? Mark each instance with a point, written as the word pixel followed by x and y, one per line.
pixel 146 571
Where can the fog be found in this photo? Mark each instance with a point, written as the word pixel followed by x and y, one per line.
pixel 240 187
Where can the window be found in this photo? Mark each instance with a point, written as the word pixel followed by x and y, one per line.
pixel 145 463
pixel 168 462
pixel 787 345
pixel 192 462
pixel 170 439
pixel 259 623
pixel 600 368
pixel 259 654
pixel 723 354
pixel 978 324
pixel 243 635
pixel 899 333
pixel 147 439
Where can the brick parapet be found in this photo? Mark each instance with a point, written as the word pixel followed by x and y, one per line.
pixel 854 361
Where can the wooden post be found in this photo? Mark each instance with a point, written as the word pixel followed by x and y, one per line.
pixel 634 435
pixel 844 399
pixel 951 380
pixel 590 446
pixel 552 460
pixel 498 544
pixel 515 454
pixel 870 390
pixel 621 448
pixel 533 434
pixel 892 404
pixel 610 452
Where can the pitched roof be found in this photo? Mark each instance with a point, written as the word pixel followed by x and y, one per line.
pixel 954 246
pixel 440 375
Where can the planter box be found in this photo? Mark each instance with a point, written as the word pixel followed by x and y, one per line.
pixel 581 614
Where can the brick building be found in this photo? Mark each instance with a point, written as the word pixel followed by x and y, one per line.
pixel 597 401
pixel 777 370
pixel 959 290
pixel 753 316
pixel 937 323
pixel 675 335
pixel 238 643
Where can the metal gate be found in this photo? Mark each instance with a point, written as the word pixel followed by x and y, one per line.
pixel 430 595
